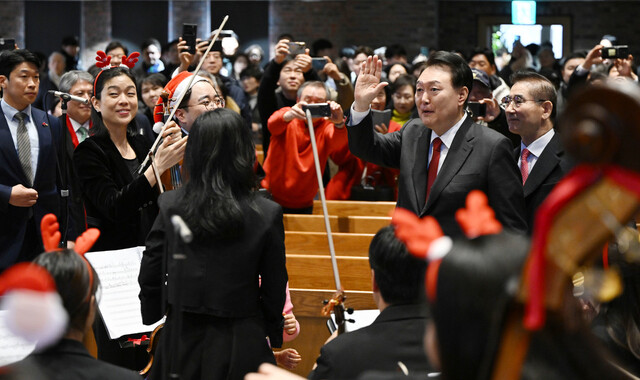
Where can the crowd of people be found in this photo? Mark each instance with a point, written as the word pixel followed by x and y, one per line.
pixel 424 132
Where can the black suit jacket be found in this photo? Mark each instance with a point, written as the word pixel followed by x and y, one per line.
pixel 396 335
pixel 122 206
pixel 13 220
pixel 479 158
pixel 549 169
pixel 219 278
pixel 69 360
pixel 75 206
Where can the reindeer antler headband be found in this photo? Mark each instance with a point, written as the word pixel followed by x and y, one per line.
pixel 103 61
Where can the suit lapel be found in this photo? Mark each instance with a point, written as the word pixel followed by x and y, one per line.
pixel 419 170
pixel 544 165
pixel 460 149
pixel 44 137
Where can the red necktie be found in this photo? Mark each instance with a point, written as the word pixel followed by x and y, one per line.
pixel 433 165
pixel 524 165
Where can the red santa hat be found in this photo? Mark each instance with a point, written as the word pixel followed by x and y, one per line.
pixel 176 87
pixel 34 308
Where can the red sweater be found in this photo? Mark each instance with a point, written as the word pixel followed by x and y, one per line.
pixel 290 171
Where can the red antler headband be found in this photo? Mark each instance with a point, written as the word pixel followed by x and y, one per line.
pixel 51 239
pixel 103 61
pixel 424 237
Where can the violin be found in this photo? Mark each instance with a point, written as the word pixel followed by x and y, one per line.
pixel 171 179
pixel 151 349
pixel 589 207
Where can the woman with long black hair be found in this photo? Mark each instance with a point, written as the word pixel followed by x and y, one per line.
pixel 219 316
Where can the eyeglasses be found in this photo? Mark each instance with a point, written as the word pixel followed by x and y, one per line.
pixel 517 101
pixel 217 102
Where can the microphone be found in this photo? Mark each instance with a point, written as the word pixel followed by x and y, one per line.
pixel 68 97
pixel 181 228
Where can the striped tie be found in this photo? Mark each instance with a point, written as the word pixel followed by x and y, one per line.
pixel 24 147
pixel 524 165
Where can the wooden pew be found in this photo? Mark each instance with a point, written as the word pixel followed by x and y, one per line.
pixel 348 224
pixel 315 272
pixel 348 208
pixel 316 243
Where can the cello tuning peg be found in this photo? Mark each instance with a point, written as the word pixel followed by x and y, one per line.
pixel 350 320
pixel 349 310
pixel 324 302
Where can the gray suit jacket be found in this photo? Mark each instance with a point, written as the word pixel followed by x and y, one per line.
pixel 479 158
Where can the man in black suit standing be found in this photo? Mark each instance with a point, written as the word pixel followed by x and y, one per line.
pixel 530 109
pixel 28 188
pixel 443 155
pixel 396 336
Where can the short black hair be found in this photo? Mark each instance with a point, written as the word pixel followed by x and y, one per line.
pixel 488 53
pixel 10 59
pixel 114 45
pixel 320 44
pixel 252 71
pixel 399 276
pixel 395 50
pixel 461 75
pixel 541 87
pixel 70 41
pixel 403 80
pixel 575 54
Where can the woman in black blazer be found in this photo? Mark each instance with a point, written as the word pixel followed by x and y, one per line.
pixel 119 201
pixel 219 316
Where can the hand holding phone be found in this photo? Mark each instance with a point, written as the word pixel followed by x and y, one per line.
pixel 318 63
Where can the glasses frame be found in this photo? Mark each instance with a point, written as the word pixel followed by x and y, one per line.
pixel 517 101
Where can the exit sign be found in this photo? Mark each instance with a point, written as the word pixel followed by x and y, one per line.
pixel 523 12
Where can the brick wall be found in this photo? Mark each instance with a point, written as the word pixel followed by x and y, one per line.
pixel 373 23
pixel 12 21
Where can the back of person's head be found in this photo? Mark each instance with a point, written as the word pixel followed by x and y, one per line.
pixel 76 282
pixel 471 298
pixel 70 78
pixel 398 275
pixel 9 60
pixel 114 45
pixel 539 87
pixel 70 41
pixel 460 71
pixel 218 163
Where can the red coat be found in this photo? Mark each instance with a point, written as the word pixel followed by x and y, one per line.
pixel 289 167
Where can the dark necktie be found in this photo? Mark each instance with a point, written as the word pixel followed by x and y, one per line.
pixel 524 165
pixel 24 147
pixel 433 165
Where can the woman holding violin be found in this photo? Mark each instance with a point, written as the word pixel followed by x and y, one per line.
pixel 218 314
pixel 119 201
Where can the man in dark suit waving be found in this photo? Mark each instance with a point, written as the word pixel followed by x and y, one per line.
pixel 443 155
pixel 28 188
pixel 530 109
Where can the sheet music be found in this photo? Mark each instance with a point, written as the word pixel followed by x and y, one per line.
pixel 12 348
pixel 361 318
pixel 119 303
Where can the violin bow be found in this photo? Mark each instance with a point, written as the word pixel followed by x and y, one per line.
pixel 336 303
pixel 191 79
